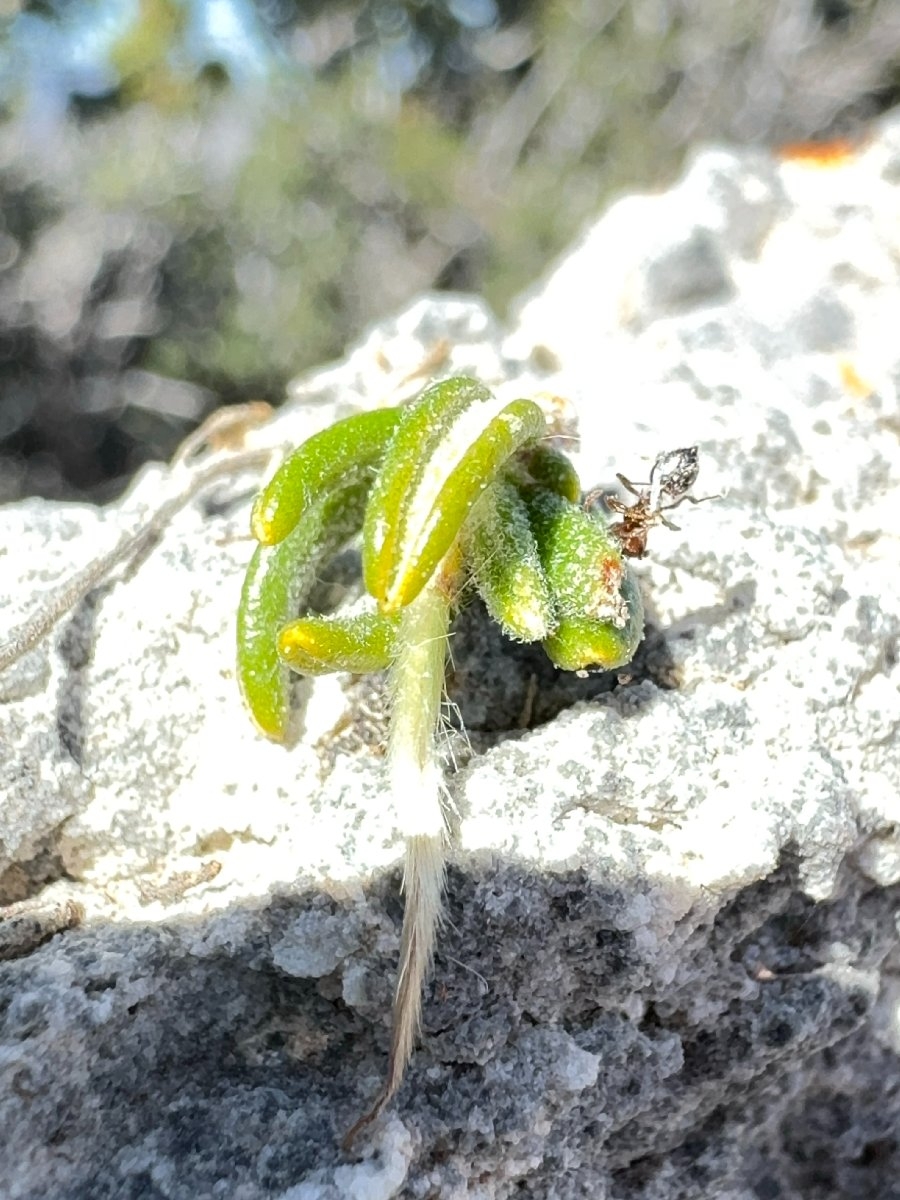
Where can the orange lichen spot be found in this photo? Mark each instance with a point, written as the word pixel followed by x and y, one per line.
pixel 834 153
pixel 852 382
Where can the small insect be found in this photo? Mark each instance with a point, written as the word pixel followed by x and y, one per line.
pixel 671 478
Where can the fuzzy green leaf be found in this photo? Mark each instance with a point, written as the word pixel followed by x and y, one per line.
pixel 451 444
pixel 502 555
pixel 276 580
pixel 585 643
pixel 548 468
pixel 319 645
pixel 336 457
pixel 597 600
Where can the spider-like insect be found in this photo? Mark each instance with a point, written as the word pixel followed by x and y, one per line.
pixel 672 476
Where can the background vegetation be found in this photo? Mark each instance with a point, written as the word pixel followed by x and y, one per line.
pixel 200 198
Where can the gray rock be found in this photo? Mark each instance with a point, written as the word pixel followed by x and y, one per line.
pixel 669 965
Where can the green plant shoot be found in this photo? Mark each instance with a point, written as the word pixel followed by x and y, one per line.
pixel 454 493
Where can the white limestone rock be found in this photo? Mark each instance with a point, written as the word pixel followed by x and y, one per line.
pixel 666 970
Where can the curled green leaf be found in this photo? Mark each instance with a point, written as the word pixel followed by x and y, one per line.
pixel 276 581
pixel 338 456
pixel 320 645
pixel 597 601
pixel 451 444
pixel 586 643
pixel 582 559
pixel 505 566
pixel 546 467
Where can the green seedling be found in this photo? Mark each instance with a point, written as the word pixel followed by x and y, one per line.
pixel 453 494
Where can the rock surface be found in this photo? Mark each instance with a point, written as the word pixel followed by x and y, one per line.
pixel 670 964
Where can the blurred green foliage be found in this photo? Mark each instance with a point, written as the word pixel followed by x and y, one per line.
pixel 230 212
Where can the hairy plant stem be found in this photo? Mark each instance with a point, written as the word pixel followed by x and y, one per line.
pixel 416 783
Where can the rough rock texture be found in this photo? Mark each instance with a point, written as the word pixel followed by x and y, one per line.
pixel 669 967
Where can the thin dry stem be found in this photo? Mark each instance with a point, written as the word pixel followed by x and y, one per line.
pixel 191 473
